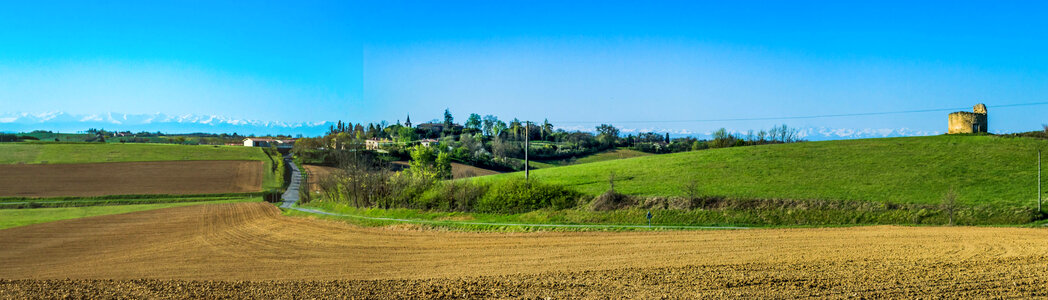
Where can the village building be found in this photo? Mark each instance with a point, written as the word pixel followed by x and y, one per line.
pixel 377 144
pixel 266 142
pixel 427 142
pixel 974 121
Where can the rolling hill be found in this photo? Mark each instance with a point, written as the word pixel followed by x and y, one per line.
pixel 1000 171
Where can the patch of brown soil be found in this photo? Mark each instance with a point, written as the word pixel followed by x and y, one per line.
pixel 130 178
pixel 318 174
pixel 323 259
pixel 458 170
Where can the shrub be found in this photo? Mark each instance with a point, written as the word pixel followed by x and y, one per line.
pixel 272 195
pixel 611 200
pixel 516 196
pixel 667 203
pixel 452 196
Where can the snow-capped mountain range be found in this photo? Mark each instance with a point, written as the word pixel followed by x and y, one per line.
pixel 189 123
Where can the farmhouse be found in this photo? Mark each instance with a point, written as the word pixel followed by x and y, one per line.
pixel 263 142
pixel 377 144
pixel 427 142
pixel 969 122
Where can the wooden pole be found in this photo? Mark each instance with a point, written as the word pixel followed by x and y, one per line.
pixel 527 171
pixel 1038 180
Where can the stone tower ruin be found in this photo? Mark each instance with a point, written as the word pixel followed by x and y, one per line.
pixel 969 122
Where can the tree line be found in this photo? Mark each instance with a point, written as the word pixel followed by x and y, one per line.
pixel 489 142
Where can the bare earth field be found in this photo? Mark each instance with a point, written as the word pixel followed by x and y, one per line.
pixel 130 178
pixel 250 250
pixel 318 173
pixel 458 170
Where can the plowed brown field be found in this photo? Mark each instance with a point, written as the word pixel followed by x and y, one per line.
pixel 206 250
pixel 130 178
pixel 458 171
pixel 317 174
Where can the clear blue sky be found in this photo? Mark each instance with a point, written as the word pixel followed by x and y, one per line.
pixel 581 61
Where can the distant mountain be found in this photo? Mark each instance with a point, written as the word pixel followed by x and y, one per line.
pixel 810 133
pixel 63 122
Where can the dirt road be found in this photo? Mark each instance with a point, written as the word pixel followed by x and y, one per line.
pixel 252 241
pixel 130 178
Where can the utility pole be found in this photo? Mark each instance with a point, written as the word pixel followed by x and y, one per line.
pixel 527 172
pixel 1039 180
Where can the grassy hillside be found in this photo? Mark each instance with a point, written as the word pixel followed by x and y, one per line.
pixel 983 170
pixel 613 154
pixel 57 153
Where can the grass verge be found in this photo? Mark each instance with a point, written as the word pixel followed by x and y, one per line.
pixel 626 219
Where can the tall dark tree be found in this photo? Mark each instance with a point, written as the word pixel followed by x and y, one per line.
pixel 448 119
pixel 547 130
pixel 516 128
pixel 473 124
pixel 489 125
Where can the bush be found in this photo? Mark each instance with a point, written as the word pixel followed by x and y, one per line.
pixel 272 195
pixel 516 196
pixel 611 200
pixel 452 196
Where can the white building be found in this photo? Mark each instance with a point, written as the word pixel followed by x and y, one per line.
pixel 262 142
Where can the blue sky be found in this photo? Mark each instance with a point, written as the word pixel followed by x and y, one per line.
pixel 632 63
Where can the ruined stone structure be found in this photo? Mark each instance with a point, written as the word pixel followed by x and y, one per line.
pixel 969 122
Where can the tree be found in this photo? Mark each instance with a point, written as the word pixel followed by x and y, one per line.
pixel 443 166
pixel 547 130
pixel 949 203
pixel 489 125
pixel 473 124
pixel 448 122
pixel 697 145
pixel 515 127
pixel 607 134
pixel 340 140
pixel 722 139
pixel 423 162
pixel 498 128
pixel 406 135
pixel 426 163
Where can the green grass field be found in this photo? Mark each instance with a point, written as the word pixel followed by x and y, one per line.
pixel 21 217
pixel 984 170
pixel 613 154
pixel 628 219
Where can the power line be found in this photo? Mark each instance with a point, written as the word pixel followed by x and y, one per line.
pixel 797 117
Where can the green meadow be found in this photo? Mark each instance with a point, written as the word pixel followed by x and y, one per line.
pixel 982 169
pixel 612 154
